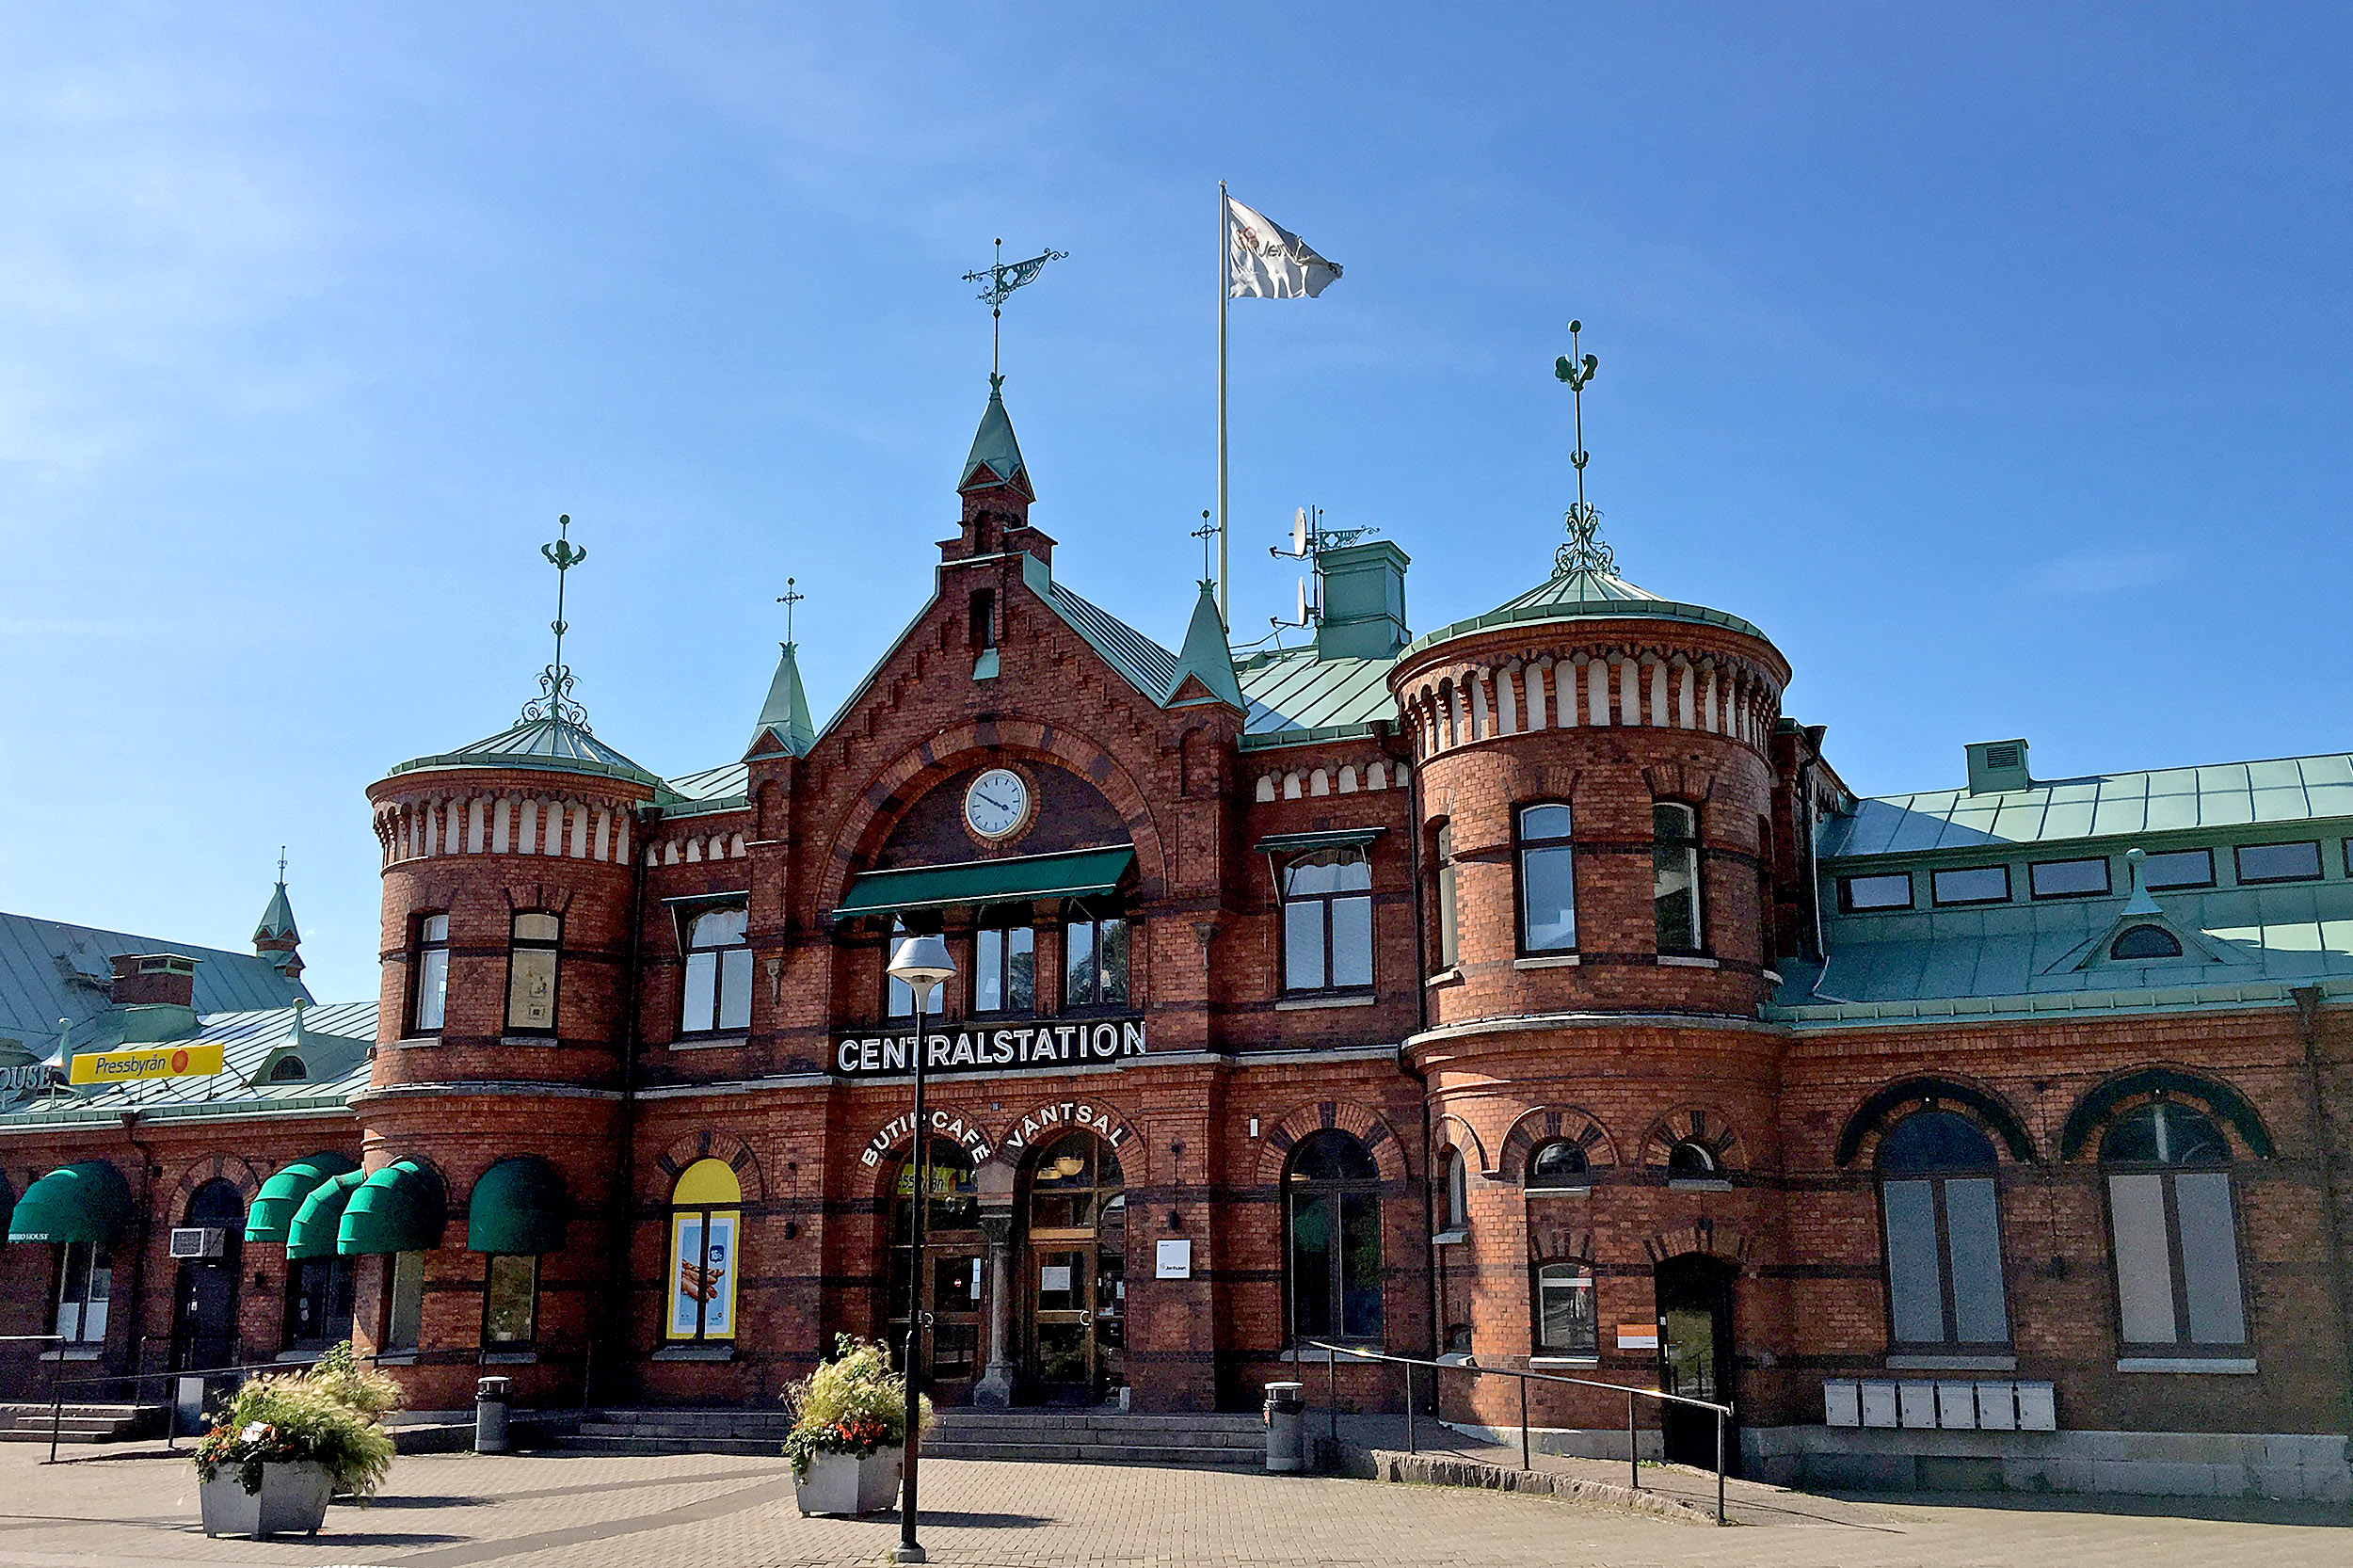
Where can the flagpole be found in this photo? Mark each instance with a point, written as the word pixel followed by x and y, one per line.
pixel 1224 263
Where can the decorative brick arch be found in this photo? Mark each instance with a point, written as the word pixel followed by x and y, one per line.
pixel 1366 1126
pixel 710 1143
pixel 907 776
pixel 2129 1090
pixel 223 1167
pixel 1729 1240
pixel 1039 1126
pixel 1453 1132
pixel 1694 1124
pixel 1558 1243
pixel 1684 781
pixel 1547 1123
pixel 1981 1107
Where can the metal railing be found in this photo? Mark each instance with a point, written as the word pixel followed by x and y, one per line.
pixel 1633 1453
pixel 59 1383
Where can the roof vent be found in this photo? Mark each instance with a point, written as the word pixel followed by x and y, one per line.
pixel 1995 766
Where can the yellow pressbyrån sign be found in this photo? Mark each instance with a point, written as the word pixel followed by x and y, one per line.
pixel 121 1066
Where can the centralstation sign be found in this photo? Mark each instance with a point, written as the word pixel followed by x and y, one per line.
pixel 1028 1047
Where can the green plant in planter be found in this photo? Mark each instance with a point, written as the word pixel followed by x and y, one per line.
pixel 853 1404
pixel 290 1420
pixel 361 1390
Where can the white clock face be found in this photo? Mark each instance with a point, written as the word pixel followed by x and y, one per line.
pixel 996 804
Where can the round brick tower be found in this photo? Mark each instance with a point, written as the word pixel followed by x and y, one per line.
pixel 490 1126
pixel 1594 796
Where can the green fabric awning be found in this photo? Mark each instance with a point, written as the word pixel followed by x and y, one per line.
pixel 313 1231
pixel 84 1202
pixel 281 1197
pixel 517 1206
pixel 1072 873
pixel 398 1209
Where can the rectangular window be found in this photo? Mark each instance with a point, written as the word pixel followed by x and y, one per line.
pixel 1327 920
pixel 2144 1267
pixel 1888 891
pixel 403 1315
pixel 510 1300
pixel 428 994
pixel 1566 1322
pixel 1971 884
pixel 1944 1284
pixel 1548 880
pixel 2068 878
pixel 85 1283
pixel 1450 929
pixel 1094 963
pixel 1004 970
pixel 1972 1240
pixel 1675 877
pixel 2179 868
pixel 531 973
pixel 719 987
pixel 318 1303
pixel 2298 862
pixel 1916 1285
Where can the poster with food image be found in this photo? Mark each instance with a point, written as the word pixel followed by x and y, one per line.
pixel 702 1283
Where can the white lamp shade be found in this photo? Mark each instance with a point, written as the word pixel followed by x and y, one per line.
pixel 922 961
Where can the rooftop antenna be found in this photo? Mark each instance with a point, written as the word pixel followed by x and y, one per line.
pixel 790 597
pixel 554 700
pixel 1584 552
pixel 1310 540
pixel 1001 280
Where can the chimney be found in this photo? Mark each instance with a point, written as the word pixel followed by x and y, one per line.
pixel 1364 602
pixel 1998 766
pixel 155 977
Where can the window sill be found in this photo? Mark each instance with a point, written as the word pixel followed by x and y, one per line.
pixel 1687 961
pixel 1454 1238
pixel 411 1040
pixel 1308 1004
pixel 1538 1363
pixel 298 1358
pixel 708 1042
pixel 527 1039
pixel 2242 1367
pixel 1312 1357
pixel 396 1358
pixel 1448 976
pixel 1712 1184
pixel 694 1352
pixel 79 1353
pixel 1573 1189
pixel 510 1358
pixel 1553 961
pixel 1898 1363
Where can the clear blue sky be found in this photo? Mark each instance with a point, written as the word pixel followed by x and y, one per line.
pixel 1992 358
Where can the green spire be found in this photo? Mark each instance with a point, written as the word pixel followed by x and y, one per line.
pixel 277 921
pixel 1206 655
pixel 784 729
pixel 996 457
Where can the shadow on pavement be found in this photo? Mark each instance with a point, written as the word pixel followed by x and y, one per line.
pixel 936 1519
pixel 2235 1510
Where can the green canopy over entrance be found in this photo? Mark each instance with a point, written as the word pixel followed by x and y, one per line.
pixel 281 1197
pixel 398 1209
pixel 311 1234
pixel 87 1201
pixel 1072 873
pixel 517 1206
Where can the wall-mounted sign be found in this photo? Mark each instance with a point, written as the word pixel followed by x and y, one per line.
pixel 1172 1259
pixel 1082 1042
pixel 1638 1337
pixel 123 1066
pixel 945 1124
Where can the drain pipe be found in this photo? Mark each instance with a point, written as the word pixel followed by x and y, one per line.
pixel 625 1218
pixel 138 1259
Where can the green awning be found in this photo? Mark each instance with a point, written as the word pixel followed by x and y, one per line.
pixel 1072 873
pixel 84 1202
pixel 397 1208
pixel 1275 843
pixel 313 1231
pixel 517 1206
pixel 281 1197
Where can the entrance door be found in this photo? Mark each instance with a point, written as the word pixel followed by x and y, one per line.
pixel 204 1305
pixel 950 1278
pixel 1076 1273
pixel 1695 1356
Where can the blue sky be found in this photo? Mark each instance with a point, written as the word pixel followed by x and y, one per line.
pixel 1994 358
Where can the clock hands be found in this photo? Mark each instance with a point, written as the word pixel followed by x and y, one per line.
pixel 990 800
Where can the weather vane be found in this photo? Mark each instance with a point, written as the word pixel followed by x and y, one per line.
pixel 790 597
pixel 1001 280
pixel 554 700
pixel 1584 552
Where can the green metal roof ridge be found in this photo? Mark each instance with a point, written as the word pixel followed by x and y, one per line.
pixel 1145 665
pixel 603 761
pixel 1614 609
pixel 1269 740
pixel 1946 1010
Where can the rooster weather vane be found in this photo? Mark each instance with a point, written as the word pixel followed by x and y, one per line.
pixel 1584 552
pixel 554 700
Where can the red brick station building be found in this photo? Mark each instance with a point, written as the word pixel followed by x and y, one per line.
pixel 1530 993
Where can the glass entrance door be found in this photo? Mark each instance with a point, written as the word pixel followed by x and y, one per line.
pixel 1695 1357
pixel 1076 1273
pixel 950 1277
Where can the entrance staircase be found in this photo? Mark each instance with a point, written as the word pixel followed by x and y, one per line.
pixel 1081 1437
pixel 80 1423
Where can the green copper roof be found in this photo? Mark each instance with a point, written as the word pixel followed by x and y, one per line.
pixel 332 1041
pixel 1207 656
pixel 555 744
pixel 278 920
pixel 1071 874
pixel 1584 595
pixel 1295 696
pixel 996 457
pixel 784 728
pixel 1145 664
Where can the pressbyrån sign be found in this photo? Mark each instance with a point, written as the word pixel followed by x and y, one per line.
pixel 121 1066
pixel 1089 1042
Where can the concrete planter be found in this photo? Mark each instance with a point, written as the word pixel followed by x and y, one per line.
pixel 293 1501
pixel 844 1483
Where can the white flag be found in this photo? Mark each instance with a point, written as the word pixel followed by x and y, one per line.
pixel 1266 261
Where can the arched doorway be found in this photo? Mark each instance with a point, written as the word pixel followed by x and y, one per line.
pixel 1695 1356
pixel 204 1305
pixel 950 1277
pixel 1075 1279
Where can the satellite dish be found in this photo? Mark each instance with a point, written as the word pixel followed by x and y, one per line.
pixel 1299 532
pixel 1303 602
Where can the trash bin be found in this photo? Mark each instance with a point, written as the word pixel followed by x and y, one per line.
pixel 1286 1427
pixel 489 1416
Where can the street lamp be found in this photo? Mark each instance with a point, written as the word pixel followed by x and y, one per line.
pixel 921 964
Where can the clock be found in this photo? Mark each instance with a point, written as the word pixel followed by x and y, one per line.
pixel 997 805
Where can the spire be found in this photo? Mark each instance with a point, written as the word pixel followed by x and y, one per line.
pixel 275 937
pixel 784 729
pixel 1584 553
pixel 1207 657
pixel 995 461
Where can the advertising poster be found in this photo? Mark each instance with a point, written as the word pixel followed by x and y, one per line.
pixel 702 1296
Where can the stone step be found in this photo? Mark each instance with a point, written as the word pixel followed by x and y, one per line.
pixel 1223 1441
pixel 587 1442
pixel 1101 1453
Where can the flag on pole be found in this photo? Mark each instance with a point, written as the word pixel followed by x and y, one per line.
pixel 1266 261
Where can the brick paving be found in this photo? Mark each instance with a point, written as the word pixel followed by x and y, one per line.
pixel 589 1511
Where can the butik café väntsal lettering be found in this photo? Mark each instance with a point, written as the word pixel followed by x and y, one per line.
pixel 1082 1042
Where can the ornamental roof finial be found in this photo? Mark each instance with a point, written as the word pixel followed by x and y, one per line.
pixel 1584 552
pixel 1001 280
pixel 554 700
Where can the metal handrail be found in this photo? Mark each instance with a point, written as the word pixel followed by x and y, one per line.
pixel 1723 1412
pixel 57 1387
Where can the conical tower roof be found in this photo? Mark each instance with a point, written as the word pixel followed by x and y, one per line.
pixel 1207 656
pixel 995 459
pixel 1586 592
pixel 553 743
pixel 277 921
pixel 784 727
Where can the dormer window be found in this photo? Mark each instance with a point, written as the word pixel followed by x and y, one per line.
pixel 2143 943
pixel 289 1069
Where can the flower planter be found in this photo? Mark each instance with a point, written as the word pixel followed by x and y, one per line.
pixel 845 1484
pixel 292 1501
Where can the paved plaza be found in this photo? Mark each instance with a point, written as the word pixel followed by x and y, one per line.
pixel 582 1511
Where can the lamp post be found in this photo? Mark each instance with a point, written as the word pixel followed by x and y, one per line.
pixel 922 964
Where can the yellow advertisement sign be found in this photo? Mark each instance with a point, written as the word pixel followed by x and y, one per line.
pixel 123 1066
